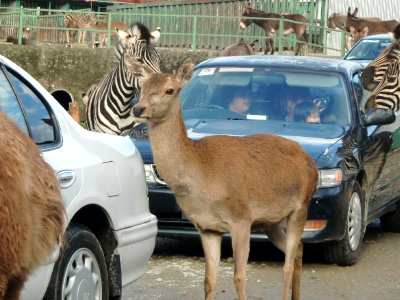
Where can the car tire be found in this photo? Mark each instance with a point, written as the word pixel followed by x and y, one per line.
pixel 346 251
pixel 80 271
pixel 391 221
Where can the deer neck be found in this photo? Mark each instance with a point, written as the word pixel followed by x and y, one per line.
pixel 172 149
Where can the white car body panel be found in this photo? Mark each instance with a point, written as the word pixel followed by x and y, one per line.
pixel 122 193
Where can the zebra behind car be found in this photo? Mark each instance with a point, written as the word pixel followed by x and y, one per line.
pixel 109 102
pixel 381 77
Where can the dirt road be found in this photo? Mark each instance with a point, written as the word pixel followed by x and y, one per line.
pixel 176 272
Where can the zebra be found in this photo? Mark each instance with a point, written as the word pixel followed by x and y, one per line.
pixel 79 21
pixel 109 102
pixel 387 93
pixel 376 69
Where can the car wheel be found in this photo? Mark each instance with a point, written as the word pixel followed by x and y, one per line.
pixel 80 271
pixel 391 221
pixel 346 251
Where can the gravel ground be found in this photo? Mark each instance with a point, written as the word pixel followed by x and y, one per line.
pixel 176 272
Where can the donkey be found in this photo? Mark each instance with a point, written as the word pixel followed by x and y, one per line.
pixel 32 210
pixel 337 20
pixel 228 184
pixel 361 28
pixel 241 48
pixel 271 26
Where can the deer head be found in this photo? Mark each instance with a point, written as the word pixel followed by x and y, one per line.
pixel 159 91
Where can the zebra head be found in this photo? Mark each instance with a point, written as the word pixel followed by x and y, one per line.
pixel 387 92
pixel 136 41
pixel 376 69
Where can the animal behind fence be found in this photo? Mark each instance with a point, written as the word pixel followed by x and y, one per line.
pixel 109 102
pixel 272 26
pixel 80 21
pixel 31 209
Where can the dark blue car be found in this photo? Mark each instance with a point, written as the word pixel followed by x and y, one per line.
pixel 357 153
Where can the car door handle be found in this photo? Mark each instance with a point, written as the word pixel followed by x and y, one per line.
pixel 66 178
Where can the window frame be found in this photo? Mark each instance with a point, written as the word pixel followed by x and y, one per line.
pixel 57 142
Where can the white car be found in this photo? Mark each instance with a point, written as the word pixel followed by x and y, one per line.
pixel 110 233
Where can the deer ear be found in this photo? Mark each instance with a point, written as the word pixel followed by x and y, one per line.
pixel 352 30
pixel 185 72
pixel 366 29
pixel 135 67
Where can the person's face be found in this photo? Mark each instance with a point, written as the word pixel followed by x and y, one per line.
pixel 313 117
pixel 240 104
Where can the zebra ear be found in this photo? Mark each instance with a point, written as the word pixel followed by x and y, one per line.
pixel 136 68
pixel 185 72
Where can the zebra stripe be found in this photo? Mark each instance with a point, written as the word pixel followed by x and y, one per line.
pixel 387 92
pixel 109 103
pixel 381 63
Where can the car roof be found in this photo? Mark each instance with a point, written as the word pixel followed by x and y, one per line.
pixel 381 36
pixel 294 62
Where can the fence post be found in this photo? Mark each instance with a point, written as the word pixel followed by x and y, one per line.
pixel 194 33
pixel 342 42
pixel 280 37
pixel 109 20
pixel 21 25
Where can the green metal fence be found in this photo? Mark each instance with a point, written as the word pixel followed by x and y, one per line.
pixel 185 29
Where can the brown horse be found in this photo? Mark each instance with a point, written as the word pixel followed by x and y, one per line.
pixel 271 26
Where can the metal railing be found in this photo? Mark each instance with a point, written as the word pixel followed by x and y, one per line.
pixel 187 31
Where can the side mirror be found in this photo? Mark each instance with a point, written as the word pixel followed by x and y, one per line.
pixel 378 116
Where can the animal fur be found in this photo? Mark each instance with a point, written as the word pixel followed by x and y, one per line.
pixel 31 209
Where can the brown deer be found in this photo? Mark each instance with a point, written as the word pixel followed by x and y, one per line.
pixel 228 184
pixel 361 27
pixel 241 48
pixel 103 35
pixel 31 209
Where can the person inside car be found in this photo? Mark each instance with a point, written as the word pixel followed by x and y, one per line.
pixel 241 101
pixel 307 112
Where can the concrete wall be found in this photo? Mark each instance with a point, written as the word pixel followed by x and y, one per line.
pixel 77 69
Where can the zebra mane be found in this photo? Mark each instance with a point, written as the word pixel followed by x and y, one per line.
pixel 139 30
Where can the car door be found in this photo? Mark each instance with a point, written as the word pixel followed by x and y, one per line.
pixel 378 157
pixel 29 109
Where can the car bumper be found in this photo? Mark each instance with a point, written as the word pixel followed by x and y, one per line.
pixel 329 206
pixel 135 247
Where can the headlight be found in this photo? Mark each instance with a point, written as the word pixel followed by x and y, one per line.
pixel 152 176
pixel 329 178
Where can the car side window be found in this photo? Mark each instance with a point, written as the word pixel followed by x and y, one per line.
pixel 40 122
pixel 358 88
pixel 9 103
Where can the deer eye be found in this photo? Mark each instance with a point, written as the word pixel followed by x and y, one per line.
pixel 169 92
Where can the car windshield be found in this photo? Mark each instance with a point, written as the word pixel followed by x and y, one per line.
pixel 267 94
pixel 368 49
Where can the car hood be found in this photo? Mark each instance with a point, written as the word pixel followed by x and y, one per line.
pixel 316 139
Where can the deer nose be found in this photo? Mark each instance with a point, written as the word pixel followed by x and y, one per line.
pixel 137 111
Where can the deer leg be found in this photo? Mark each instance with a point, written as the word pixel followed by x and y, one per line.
pixel 294 253
pixel 300 37
pixel 241 247
pixel 211 242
